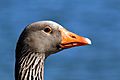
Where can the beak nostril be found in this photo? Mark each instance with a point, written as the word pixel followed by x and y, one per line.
pixel 73 36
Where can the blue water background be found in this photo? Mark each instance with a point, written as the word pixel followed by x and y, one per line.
pixel 98 20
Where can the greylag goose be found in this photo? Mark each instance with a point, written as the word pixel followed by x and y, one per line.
pixel 39 40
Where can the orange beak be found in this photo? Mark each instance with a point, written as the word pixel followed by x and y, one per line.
pixel 70 39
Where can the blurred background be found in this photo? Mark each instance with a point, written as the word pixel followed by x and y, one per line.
pixel 98 20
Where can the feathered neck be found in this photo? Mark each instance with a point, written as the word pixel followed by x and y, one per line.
pixel 29 66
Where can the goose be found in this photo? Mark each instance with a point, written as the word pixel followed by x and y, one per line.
pixel 39 40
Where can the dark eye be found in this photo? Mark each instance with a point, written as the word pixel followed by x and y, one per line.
pixel 48 29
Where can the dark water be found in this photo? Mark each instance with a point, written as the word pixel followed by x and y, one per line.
pixel 97 19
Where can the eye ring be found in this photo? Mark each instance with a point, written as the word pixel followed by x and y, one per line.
pixel 47 29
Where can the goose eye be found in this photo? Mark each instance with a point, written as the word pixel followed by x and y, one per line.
pixel 48 30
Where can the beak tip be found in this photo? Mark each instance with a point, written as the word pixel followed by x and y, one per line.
pixel 88 41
